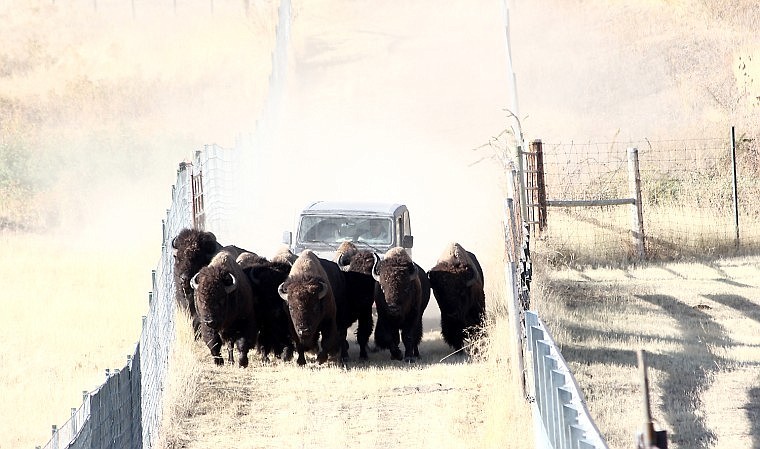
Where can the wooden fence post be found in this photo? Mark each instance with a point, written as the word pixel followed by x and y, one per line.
pixel 536 187
pixel 637 215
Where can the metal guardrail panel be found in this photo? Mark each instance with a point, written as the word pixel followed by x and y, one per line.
pixel 560 403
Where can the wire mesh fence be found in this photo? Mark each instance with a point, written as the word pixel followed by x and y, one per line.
pixel 125 411
pixel 687 199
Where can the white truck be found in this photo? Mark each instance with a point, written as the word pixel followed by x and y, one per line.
pixel 323 225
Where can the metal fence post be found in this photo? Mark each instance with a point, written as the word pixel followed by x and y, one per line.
pixel 735 190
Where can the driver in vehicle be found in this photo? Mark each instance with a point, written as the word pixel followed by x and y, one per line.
pixel 378 231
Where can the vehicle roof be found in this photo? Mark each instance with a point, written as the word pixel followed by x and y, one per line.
pixel 354 207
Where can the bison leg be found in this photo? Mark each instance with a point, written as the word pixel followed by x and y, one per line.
pixel 231 353
pixel 412 337
pixel 363 331
pixel 287 354
pixel 243 346
pixel 410 349
pixel 213 342
pixel 343 345
pixel 395 351
pixel 301 357
pixel 386 337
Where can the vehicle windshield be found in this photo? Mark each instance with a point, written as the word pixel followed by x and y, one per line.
pixel 373 231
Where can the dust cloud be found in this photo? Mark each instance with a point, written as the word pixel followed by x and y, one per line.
pixel 388 103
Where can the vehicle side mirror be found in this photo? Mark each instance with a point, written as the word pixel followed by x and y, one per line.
pixel 287 237
pixel 407 241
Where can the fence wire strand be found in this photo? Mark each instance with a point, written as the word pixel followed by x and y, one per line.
pixel 687 199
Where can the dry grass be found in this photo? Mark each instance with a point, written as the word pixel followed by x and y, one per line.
pixel 456 403
pixel 71 311
pixel 699 323
pixel 108 102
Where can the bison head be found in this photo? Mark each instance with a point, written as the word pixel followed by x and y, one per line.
pixel 399 282
pixel 212 286
pixel 306 298
pixel 193 249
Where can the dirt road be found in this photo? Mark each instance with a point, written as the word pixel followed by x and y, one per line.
pixel 700 325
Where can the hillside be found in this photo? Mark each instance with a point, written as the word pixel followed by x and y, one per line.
pixel 382 102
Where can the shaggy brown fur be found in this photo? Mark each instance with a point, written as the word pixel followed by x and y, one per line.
pixel 284 255
pixel 360 289
pixel 225 304
pixel 350 258
pixel 457 282
pixel 192 249
pixel 248 259
pixel 271 311
pixel 311 316
pixel 401 296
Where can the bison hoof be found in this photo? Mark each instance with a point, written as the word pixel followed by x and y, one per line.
pixel 410 359
pixel 219 361
pixel 396 354
pixel 243 362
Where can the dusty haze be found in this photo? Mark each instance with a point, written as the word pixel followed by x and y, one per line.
pixel 383 101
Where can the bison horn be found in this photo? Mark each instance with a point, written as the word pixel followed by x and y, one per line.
pixel 282 292
pixel 174 243
pixel 194 281
pixel 324 290
pixel 375 272
pixel 231 288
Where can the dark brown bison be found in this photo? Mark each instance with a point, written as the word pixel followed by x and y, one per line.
pixel 457 282
pixel 225 306
pixel 284 255
pixel 350 258
pixel 401 296
pixel 248 259
pixel 360 291
pixel 312 308
pixel 193 249
pixel 271 310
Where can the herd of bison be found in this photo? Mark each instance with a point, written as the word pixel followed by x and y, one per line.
pixel 305 304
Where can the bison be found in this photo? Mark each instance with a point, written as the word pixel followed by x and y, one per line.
pixel 193 249
pixel 271 311
pixel 360 290
pixel 225 306
pixel 401 295
pixel 248 259
pixel 284 255
pixel 350 258
pixel 312 307
pixel 457 283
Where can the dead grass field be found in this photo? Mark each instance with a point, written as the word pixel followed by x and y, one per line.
pixel 698 322
pixel 71 311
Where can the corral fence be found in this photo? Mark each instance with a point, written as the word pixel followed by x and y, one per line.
pixel 561 418
pixel 125 411
pixel 620 202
